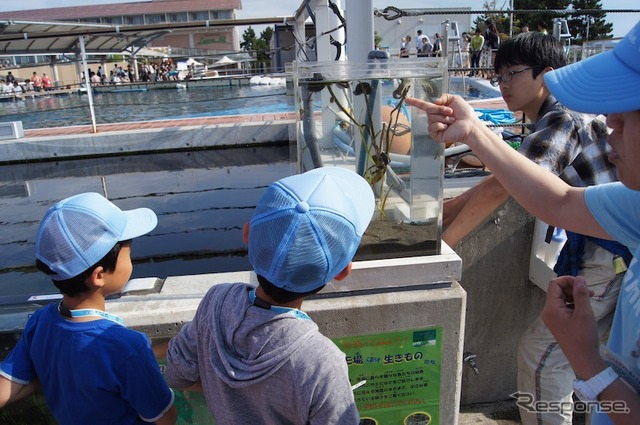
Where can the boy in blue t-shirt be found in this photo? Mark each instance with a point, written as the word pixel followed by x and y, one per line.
pixel 91 368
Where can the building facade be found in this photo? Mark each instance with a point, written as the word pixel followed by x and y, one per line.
pixel 216 39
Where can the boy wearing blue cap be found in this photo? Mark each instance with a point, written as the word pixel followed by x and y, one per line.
pixel 257 356
pixel 608 378
pixel 91 368
pixel 572 145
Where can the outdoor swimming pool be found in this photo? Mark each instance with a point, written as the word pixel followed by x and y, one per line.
pixel 202 199
pixel 73 109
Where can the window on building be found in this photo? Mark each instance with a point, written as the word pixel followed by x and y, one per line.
pixel 23 60
pixel 221 14
pixel 199 16
pixel 156 19
pixel 134 20
pixel 113 20
pixel 177 17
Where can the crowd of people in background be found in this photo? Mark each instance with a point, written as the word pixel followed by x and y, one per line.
pixel 424 46
pixel 476 50
pixel 163 70
pixel 9 86
pixel 153 71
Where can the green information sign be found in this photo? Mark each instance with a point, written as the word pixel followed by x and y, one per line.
pixel 397 376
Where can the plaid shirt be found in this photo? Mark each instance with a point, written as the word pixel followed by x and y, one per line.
pixel 570 144
pixel 573 146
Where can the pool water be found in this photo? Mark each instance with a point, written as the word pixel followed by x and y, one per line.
pixel 160 104
pixel 73 109
pixel 202 200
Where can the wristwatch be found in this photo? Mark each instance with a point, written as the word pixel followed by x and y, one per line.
pixel 589 390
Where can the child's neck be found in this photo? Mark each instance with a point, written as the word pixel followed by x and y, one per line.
pixel 291 304
pixel 534 108
pixel 85 309
pixel 95 301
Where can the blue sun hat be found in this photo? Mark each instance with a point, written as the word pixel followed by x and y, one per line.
pixel 79 231
pixel 307 227
pixel 606 83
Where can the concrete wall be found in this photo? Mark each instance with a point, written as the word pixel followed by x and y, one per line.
pixel 501 302
pixel 400 311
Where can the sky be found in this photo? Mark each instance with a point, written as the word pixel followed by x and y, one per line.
pixel 622 22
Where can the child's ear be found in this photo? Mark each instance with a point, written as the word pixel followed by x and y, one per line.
pixel 344 273
pixel 96 278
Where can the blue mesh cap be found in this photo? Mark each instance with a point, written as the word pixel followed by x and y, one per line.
pixel 79 231
pixel 606 83
pixel 307 227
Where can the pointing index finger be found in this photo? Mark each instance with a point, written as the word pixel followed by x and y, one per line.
pixel 428 107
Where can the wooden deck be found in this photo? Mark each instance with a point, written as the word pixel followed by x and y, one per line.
pixel 142 125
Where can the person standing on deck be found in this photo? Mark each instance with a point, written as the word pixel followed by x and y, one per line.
pixel 476 45
pixel 37 82
pixel 47 84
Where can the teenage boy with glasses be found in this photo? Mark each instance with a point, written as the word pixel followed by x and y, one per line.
pixel 573 146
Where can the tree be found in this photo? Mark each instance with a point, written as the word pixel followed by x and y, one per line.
pixel 540 19
pixel 577 23
pixel 262 45
pixel 591 26
pixel 249 37
pixel 497 18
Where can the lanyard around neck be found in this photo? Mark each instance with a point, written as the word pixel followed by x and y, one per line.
pixel 89 312
pixel 258 302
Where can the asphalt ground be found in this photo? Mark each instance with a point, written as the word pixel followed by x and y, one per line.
pixel 497 413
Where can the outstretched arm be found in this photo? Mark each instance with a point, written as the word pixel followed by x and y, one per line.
pixel 467 211
pixel 543 194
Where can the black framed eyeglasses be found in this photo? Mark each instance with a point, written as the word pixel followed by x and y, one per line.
pixel 496 80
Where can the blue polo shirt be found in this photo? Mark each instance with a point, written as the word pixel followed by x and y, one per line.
pixel 617 210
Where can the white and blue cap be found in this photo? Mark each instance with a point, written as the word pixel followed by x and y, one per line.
pixel 307 227
pixel 606 83
pixel 79 231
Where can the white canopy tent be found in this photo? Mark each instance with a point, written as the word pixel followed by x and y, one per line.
pixel 192 61
pixel 224 61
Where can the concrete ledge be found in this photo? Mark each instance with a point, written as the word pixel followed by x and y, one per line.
pixel 147 140
pixel 179 297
